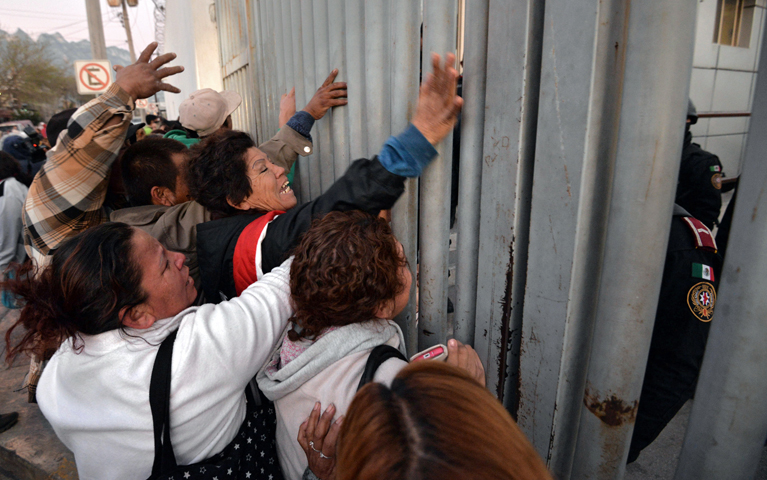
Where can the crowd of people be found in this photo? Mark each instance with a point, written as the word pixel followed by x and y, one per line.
pixel 186 318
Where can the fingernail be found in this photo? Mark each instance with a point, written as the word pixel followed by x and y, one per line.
pixel 452 343
pixel 340 420
pixel 316 406
pixel 331 407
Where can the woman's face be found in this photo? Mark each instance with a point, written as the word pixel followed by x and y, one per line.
pixel 269 185
pixel 164 277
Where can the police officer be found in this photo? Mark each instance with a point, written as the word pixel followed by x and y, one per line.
pixel 699 189
pixel 685 310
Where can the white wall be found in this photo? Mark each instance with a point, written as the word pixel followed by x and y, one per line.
pixel 723 80
pixel 192 35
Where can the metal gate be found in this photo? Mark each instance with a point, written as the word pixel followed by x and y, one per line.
pixel 570 145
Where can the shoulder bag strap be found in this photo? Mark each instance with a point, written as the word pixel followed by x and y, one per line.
pixel 159 400
pixel 378 356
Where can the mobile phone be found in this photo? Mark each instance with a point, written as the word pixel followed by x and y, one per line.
pixel 437 352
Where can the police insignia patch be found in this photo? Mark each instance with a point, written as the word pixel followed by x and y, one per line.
pixel 716 181
pixel 701 299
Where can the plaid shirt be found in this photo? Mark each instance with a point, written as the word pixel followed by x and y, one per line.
pixel 67 195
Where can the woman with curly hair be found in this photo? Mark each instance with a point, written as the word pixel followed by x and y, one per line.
pixel 348 279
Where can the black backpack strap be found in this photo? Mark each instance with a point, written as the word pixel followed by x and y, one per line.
pixel 159 400
pixel 377 357
pixel 2 188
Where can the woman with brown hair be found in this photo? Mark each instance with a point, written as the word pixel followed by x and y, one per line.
pixel 348 279
pixel 111 296
pixel 434 421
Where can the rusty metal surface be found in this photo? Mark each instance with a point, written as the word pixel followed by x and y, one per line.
pixel 646 162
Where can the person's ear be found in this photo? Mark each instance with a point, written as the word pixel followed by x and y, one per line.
pixel 163 196
pixel 243 205
pixel 385 310
pixel 138 317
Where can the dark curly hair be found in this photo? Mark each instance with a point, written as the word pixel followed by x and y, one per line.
pixel 217 171
pixel 92 276
pixel 345 267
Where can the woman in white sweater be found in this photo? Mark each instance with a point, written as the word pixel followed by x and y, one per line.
pixel 111 295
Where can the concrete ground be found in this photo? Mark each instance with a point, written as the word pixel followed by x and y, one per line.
pixel 659 460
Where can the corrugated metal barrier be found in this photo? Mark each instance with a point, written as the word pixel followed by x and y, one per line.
pixel 570 144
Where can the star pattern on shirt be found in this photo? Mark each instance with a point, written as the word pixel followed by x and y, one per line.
pixel 186 475
pixel 247 474
pixel 236 446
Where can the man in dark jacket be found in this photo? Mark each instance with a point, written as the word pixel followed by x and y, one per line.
pixel 699 189
pixel 682 321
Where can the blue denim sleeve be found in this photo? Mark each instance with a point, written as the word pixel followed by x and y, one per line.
pixel 302 122
pixel 407 154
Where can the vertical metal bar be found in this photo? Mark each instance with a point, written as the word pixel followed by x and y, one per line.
pixel 257 68
pixel 511 95
pixel 469 186
pixel 322 130
pixel 268 39
pixel 274 9
pixel 439 33
pixel 355 66
pixel 728 422
pixel 377 80
pixel 405 55
pixel 337 37
pixel 649 141
pixel 306 23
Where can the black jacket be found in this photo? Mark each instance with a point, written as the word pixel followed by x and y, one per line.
pixel 366 186
pixel 699 187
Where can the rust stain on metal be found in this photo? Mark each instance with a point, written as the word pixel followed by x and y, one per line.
pixel 612 411
pixel 505 322
pixel 427 332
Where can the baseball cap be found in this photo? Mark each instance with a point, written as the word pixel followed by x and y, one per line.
pixel 205 110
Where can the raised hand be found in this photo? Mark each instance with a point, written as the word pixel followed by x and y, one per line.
pixel 328 95
pixel 438 103
pixel 144 78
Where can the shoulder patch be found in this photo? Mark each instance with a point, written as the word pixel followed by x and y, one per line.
pixel 715 168
pixel 702 299
pixel 703 237
pixel 716 181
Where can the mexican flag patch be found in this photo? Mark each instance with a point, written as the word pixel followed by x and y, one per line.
pixel 715 168
pixel 705 272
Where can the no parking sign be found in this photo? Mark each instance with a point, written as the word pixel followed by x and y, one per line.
pixel 93 76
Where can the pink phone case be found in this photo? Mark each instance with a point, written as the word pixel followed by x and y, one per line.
pixel 437 352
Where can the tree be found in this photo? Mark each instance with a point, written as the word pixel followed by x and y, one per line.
pixel 28 75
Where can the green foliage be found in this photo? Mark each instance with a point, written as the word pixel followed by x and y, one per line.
pixel 28 75
pixel 24 114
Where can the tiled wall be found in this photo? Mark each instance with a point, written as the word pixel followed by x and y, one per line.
pixel 723 80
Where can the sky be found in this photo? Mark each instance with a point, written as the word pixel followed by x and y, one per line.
pixel 68 18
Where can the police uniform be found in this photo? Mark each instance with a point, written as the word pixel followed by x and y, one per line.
pixel 685 309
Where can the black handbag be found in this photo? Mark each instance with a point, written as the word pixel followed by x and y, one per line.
pixel 251 455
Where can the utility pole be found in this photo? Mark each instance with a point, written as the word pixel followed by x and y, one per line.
pixel 126 22
pixel 96 30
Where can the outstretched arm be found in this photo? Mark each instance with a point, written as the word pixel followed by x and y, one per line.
pixel 67 194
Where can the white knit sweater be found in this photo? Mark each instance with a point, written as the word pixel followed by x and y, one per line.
pixel 98 400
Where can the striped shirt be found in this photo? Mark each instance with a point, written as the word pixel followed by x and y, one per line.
pixel 67 194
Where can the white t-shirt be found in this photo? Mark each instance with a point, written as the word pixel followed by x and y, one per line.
pixel 97 400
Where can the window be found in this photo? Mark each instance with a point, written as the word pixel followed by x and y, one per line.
pixel 733 25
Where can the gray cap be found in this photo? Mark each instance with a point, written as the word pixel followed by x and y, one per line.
pixel 692 114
